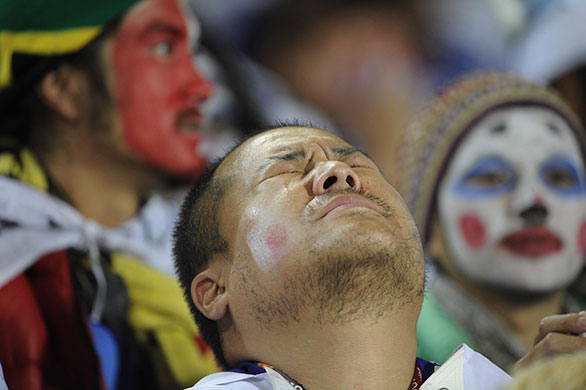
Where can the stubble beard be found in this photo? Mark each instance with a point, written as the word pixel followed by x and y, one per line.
pixel 351 283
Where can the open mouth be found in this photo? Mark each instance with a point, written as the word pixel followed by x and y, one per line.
pixel 189 120
pixel 534 241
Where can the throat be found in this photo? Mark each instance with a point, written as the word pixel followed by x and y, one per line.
pixel 350 356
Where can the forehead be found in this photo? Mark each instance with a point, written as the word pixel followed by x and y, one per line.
pixel 519 133
pixel 145 13
pixel 252 154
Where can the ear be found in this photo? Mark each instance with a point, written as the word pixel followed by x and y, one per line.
pixel 208 289
pixel 60 90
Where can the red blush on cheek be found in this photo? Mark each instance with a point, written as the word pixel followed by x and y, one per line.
pixel 275 238
pixel 582 238
pixel 472 230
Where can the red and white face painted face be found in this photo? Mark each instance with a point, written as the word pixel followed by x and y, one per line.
pixel 158 90
pixel 512 206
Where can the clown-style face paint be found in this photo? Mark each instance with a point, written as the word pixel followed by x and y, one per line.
pixel 512 205
pixel 157 87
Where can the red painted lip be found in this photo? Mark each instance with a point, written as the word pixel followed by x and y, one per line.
pixel 342 202
pixel 534 241
pixel 189 120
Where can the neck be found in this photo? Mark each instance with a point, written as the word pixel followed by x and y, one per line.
pixel 522 317
pixel 100 187
pixel 354 355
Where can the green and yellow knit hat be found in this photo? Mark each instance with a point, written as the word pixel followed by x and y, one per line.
pixel 50 28
pixel 430 142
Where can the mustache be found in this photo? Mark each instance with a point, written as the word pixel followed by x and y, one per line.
pixel 324 199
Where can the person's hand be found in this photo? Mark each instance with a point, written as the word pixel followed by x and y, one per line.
pixel 557 334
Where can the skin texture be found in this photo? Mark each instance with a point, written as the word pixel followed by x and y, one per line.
pixel 557 334
pixel 157 88
pixel 322 248
pixel 514 219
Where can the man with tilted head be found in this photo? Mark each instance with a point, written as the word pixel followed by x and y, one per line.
pixel 303 267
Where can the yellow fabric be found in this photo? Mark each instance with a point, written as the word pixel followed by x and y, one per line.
pixel 40 43
pixel 27 170
pixel 157 305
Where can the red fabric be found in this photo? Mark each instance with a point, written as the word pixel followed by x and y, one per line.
pixel 45 341
pixel 23 336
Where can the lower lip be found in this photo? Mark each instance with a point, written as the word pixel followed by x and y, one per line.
pixel 347 206
pixel 532 242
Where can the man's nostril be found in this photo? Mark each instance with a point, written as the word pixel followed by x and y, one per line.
pixel 329 182
pixel 350 181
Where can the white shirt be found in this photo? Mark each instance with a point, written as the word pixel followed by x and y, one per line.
pixel 464 370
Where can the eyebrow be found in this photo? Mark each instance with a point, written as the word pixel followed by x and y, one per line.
pixel 498 128
pixel 346 151
pixel 553 128
pixel 162 27
pixel 288 155
pixel 299 155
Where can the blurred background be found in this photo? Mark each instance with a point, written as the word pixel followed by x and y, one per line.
pixel 364 68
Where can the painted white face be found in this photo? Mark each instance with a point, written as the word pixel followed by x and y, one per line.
pixel 512 206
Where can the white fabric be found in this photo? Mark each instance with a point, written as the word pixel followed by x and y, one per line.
pixel 233 380
pixel 3 385
pixel 464 370
pixel 39 224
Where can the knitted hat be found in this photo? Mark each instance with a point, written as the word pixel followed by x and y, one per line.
pixel 430 143
pixel 50 27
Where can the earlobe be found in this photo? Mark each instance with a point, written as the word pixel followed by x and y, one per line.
pixel 59 90
pixel 209 294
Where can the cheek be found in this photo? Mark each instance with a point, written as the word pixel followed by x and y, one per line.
pixel 268 244
pixel 473 230
pixel 275 239
pixel 582 238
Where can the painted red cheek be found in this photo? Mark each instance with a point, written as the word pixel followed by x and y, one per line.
pixel 472 230
pixel 276 237
pixel 582 238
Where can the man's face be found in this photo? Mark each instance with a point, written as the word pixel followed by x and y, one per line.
pixel 314 228
pixel 512 206
pixel 157 88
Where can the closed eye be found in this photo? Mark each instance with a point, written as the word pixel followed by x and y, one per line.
pixel 560 175
pixel 488 176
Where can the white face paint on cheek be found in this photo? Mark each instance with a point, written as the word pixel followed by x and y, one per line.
pixel 267 240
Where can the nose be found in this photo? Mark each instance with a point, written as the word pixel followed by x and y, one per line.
pixel 535 214
pixel 334 175
pixel 199 87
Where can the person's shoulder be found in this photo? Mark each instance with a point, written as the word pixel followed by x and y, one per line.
pixel 233 380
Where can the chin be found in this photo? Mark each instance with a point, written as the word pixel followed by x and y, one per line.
pixel 525 289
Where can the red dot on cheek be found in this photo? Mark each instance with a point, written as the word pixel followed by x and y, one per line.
pixel 582 238
pixel 472 230
pixel 276 237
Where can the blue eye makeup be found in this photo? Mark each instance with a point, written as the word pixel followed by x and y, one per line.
pixel 488 176
pixel 560 175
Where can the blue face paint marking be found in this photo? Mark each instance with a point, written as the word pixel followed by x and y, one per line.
pixel 560 175
pixel 489 176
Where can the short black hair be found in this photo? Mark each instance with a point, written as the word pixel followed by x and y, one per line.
pixel 197 236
